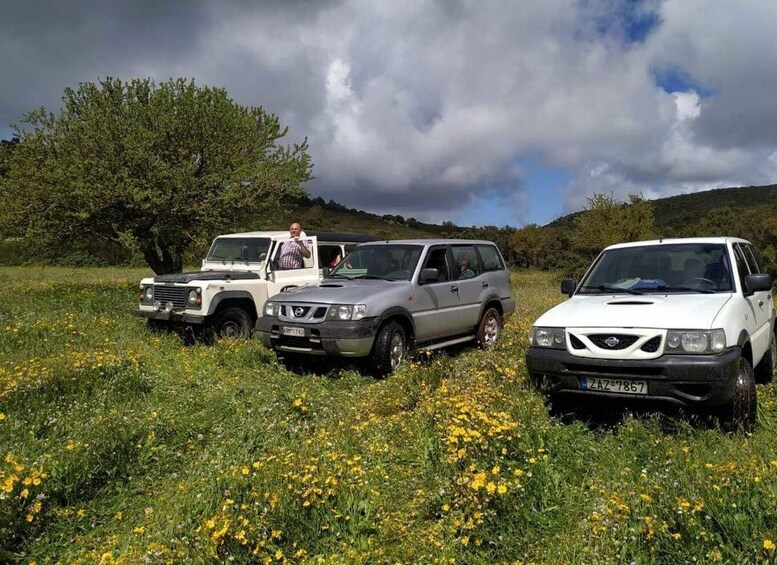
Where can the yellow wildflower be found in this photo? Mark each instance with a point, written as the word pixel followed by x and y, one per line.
pixel 768 544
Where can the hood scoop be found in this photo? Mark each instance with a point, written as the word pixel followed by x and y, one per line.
pixel 330 285
pixel 630 303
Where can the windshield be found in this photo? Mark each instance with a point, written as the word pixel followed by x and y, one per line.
pixel 243 249
pixel 686 267
pixel 387 262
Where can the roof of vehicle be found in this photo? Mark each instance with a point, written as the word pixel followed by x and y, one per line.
pixel 433 242
pixel 322 236
pixel 675 241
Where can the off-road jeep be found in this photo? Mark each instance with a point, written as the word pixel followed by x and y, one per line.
pixel 387 297
pixel 238 274
pixel 682 321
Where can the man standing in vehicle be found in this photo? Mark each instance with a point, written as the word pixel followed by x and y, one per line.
pixel 293 251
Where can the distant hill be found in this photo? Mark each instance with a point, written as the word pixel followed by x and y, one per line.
pixel 316 214
pixel 672 214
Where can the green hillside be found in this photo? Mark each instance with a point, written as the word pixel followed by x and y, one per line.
pixel 674 213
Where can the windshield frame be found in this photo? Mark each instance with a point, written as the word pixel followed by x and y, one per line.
pixel 670 281
pixel 257 241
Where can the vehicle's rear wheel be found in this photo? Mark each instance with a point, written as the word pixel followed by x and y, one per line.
pixel 764 371
pixel 740 412
pixel 489 328
pixel 389 350
pixel 231 322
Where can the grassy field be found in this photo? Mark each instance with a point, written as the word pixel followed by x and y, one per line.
pixel 119 445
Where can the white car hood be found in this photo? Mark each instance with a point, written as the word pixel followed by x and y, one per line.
pixel 673 311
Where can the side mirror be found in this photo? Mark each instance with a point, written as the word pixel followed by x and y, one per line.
pixel 761 282
pixel 429 275
pixel 568 286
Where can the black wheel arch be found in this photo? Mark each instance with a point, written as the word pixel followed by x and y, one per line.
pixel 234 298
pixel 747 349
pixel 401 315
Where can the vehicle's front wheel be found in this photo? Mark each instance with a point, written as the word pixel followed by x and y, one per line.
pixel 158 326
pixel 740 412
pixel 230 322
pixel 764 371
pixel 489 328
pixel 389 350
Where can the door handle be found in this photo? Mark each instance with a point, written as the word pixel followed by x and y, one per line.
pixel 485 284
pixel 455 288
pixel 760 302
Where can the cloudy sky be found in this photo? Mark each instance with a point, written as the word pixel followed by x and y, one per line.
pixel 475 111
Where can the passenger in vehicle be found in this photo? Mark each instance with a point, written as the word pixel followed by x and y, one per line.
pixel 693 270
pixel 464 271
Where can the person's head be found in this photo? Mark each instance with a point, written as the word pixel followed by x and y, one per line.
pixel 693 268
pixel 463 264
pixel 295 229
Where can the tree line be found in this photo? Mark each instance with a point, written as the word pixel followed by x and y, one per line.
pixel 139 169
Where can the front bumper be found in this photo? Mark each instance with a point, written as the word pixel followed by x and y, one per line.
pixel 684 380
pixel 333 338
pixel 174 316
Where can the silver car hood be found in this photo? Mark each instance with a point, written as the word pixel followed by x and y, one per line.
pixel 344 291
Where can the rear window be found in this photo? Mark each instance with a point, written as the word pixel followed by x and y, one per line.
pixel 490 258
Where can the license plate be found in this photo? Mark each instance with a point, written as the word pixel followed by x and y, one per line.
pixel 296 332
pixel 614 385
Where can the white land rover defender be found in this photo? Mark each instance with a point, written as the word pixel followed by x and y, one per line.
pixel 238 274
pixel 683 321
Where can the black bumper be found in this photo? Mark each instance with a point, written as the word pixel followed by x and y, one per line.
pixel 333 338
pixel 172 317
pixel 685 380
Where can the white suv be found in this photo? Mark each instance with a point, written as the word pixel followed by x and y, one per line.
pixel 238 274
pixel 682 321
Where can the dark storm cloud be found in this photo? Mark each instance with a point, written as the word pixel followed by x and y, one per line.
pixel 421 107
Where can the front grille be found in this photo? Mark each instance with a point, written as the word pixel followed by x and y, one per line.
pixel 576 343
pixel 293 311
pixel 174 294
pixel 623 341
pixel 651 345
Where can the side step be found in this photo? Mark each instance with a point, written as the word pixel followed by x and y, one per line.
pixel 441 344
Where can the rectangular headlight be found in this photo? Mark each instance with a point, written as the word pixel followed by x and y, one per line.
pixel 548 337
pixel 695 341
pixel 270 308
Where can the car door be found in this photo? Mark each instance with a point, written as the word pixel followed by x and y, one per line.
pixel 279 280
pixel 436 311
pixel 472 284
pixel 760 304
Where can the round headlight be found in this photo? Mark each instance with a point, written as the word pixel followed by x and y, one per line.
pixel 149 293
pixel 344 312
pixel 695 342
pixel 192 296
pixel 673 340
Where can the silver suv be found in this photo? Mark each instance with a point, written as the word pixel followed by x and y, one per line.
pixel 385 298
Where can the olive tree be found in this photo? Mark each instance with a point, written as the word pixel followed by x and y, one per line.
pixel 152 167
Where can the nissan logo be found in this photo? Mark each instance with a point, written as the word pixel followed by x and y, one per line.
pixel 611 341
pixel 299 311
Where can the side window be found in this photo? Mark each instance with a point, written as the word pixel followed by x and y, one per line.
pixel 752 259
pixel 490 257
pixel 438 259
pixel 742 268
pixel 465 259
pixel 328 255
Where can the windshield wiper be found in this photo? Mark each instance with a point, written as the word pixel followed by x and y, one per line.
pixel 684 289
pixel 339 276
pixel 374 277
pixel 615 289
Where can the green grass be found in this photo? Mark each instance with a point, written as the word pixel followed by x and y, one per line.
pixel 119 445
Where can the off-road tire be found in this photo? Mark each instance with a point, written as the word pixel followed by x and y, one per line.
pixel 489 328
pixel 389 350
pixel 740 412
pixel 764 371
pixel 233 322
